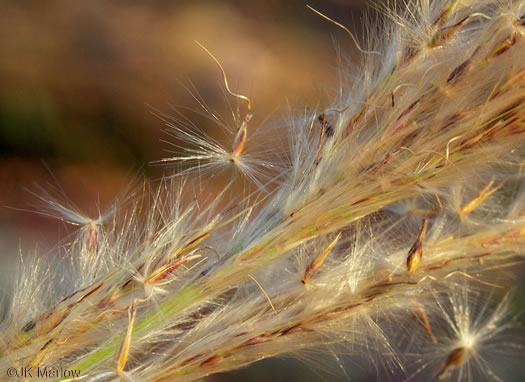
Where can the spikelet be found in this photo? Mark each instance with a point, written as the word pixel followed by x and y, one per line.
pixel 398 208
pixel 210 157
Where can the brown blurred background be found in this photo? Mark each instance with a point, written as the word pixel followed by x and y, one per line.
pixel 79 81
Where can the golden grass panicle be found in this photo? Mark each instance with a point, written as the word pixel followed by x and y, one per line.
pixel 426 142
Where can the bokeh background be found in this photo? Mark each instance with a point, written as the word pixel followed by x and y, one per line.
pixel 79 81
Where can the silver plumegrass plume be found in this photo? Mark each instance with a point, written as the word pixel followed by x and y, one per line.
pixel 387 227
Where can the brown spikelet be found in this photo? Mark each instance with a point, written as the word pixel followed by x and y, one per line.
pixel 455 359
pixel 416 252
pixel 319 260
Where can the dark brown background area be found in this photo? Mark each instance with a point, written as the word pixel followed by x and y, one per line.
pixel 78 81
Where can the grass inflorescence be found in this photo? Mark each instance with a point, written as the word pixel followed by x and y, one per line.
pixel 392 225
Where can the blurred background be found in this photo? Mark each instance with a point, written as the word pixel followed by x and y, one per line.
pixel 80 80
